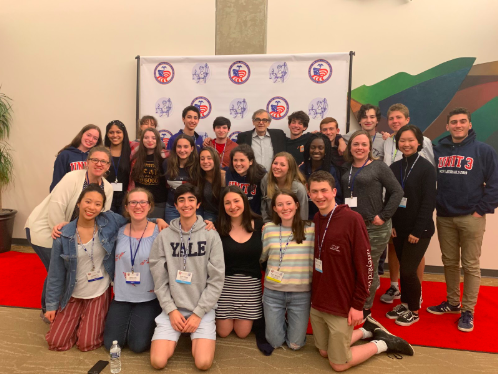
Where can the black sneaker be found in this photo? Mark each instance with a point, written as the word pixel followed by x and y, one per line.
pixel 371 324
pixel 394 343
pixel 397 311
pixel 444 307
pixel 408 318
pixel 391 294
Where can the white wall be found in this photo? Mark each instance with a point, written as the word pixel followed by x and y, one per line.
pixel 391 36
pixel 66 64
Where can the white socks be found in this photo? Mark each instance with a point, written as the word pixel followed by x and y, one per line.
pixel 395 285
pixel 366 334
pixel 381 345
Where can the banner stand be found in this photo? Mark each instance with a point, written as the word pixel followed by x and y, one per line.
pixel 348 104
pixel 137 115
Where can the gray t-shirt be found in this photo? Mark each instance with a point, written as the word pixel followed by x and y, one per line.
pixel 377 144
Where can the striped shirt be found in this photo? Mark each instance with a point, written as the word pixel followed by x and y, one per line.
pixel 297 261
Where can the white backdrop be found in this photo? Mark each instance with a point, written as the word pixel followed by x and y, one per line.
pixel 236 86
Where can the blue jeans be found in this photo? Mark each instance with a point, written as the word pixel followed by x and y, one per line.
pixel 170 213
pixel 297 305
pixel 131 324
pixel 210 216
pixel 44 254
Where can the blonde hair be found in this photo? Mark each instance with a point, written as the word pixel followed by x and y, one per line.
pixel 293 174
pixel 399 108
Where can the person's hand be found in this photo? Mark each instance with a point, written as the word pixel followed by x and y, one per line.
pixel 377 221
pixel 341 148
pixel 355 317
pixel 393 234
pixel 177 320
pixel 207 142
pixel 412 239
pixel 315 132
pixel 50 315
pixel 56 231
pixel 192 323
pixel 209 225
pixel 161 224
pixel 476 215
pixel 385 135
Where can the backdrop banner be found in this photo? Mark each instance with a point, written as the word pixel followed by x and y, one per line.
pixel 236 86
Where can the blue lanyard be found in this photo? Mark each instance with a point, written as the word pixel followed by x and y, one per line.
pixel 320 243
pixel 93 242
pixel 282 252
pixel 116 171
pixel 373 139
pixel 392 150
pixel 183 250
pixel 403 181
pixel 351 185
pixel 133 257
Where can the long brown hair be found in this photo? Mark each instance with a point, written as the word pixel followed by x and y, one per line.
pixel 76 142
pixel 224 222
pixel 216 185
pixel 256 172
pixel 297 222
pixel 140 158
pixel 292 175
pixel 192 165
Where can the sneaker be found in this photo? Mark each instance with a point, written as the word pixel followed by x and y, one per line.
pixel 371 324
pixel 394 343
pixel 407 319
pixel 391 294
pixel 466 321
pixel 397 311
pixel 444 307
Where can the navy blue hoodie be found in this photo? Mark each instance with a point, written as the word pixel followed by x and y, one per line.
pixel 68 160
pixel 253 192
pixel 467 177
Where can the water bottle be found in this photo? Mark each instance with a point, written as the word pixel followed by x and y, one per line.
pixel 115 357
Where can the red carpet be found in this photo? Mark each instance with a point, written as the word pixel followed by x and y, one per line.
pixel 22 286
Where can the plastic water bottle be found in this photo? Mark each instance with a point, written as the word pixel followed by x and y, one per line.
pixel 115 357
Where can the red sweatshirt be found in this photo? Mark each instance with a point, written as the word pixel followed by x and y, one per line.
pixel 346 263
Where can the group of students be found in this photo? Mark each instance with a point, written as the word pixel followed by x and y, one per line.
pixel 192 278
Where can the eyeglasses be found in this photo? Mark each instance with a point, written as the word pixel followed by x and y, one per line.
pixel 134 203
pixel 96 161
pixel 264 120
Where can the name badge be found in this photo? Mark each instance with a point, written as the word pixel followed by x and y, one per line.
pixel 184 277
pixel 275 275
pixel 318 265
pixel 132 278
pixel 351 201
pixel 402 203
pixel 117 187
pixel 94 275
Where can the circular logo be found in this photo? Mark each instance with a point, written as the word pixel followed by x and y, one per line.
pixel 320 71
pixel 278 107
pixel 238 108
pixel 203 104
pixel 239 72
pixel 165 134
pixel 233 136
pixel 279 72
pixel 164 107
pixel 164 73
pixel 201 73
pixel 318 108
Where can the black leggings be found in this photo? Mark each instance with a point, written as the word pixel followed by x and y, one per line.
pixel 409 257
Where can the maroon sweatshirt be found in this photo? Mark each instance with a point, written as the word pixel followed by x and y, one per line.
pixel 346 263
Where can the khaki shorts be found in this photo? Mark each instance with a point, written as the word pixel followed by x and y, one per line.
pixel 332 334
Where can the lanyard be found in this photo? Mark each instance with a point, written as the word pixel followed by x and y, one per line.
pixel 138 246
pixel 224 148
pixel 116 171
pixel 282 252
pixel 320 243
pixel 403 181
pixel 182 246
pixel 351 185
pixel 93 241
pixel 392 150
pixel 373 139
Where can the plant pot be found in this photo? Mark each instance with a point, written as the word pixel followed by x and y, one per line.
pixel 6 228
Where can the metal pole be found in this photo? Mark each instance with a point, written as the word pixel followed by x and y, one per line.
pixel 137 115
pixel 348 105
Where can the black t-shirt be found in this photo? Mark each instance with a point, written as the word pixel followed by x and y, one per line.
pixel 173 184
pixel 243 258
pixel 151 180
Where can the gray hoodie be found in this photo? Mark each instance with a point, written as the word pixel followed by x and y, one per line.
pixel 205 261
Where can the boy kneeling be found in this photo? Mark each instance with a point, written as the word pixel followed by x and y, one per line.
pixel 186 262
pixel 341 280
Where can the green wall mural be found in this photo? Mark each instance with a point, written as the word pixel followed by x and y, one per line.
pixel 431 94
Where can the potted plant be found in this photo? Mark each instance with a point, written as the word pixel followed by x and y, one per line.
pixel 6 173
